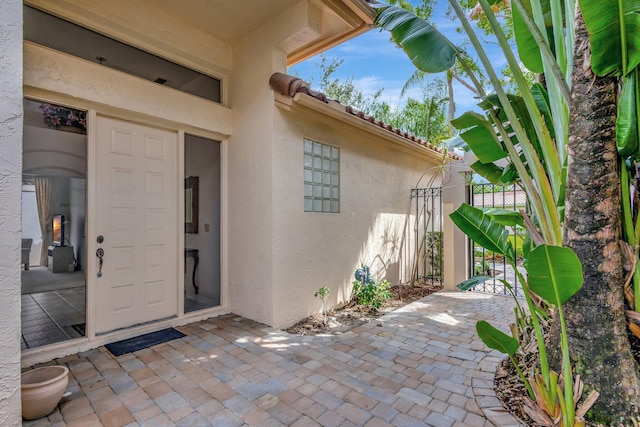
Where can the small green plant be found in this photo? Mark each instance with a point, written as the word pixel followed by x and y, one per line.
pixel 369 293
pixel 482 268
pixel 323 293
pixel 433 249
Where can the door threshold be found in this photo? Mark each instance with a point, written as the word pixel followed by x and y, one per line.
pixel 136 327
pixel 69 348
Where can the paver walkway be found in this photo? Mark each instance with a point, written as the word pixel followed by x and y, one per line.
pixel 420 365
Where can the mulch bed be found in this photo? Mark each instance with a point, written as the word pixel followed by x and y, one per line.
pixel 352 314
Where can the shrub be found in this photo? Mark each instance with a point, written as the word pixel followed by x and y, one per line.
pixel 369 293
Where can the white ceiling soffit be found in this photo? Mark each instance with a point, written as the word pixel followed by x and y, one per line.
pixel 326 24
pixel 224 19
pixel 232 19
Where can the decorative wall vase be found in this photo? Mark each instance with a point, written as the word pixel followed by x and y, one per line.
pixel 42 389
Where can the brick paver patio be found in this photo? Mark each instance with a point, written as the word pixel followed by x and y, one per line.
pixel 421 365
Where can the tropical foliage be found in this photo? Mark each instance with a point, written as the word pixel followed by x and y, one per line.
pixel 529 130
pixel 424 118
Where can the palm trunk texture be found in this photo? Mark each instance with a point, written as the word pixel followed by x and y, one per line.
pixel 598 339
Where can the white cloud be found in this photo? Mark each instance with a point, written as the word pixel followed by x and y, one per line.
pixel 371 45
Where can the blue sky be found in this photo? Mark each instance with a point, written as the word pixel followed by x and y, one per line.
pixel 374 62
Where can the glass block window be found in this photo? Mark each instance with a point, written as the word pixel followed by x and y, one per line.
pixel 321 177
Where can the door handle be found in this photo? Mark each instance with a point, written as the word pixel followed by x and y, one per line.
pixel 100 254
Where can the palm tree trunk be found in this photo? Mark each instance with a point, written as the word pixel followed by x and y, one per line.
pixel 595 315
pixel 451 110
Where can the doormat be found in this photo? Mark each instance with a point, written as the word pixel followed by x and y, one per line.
pixel 143 341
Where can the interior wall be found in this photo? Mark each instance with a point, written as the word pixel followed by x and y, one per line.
pixel 50 152
pixel 62 157
pixel 202 159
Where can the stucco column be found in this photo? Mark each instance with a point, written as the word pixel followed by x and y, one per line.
pixel 10 209
pixel 456 259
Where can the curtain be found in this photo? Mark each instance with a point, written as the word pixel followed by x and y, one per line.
pixel 43 197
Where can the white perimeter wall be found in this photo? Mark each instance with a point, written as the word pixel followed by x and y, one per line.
pixel 10 206
pixel 315 249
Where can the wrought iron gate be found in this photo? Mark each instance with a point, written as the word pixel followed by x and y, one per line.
pixel 487 263
pixel 426 209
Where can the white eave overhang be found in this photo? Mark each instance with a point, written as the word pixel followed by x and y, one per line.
pixel 358 17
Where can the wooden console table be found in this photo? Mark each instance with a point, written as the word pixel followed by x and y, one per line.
pixel 192 253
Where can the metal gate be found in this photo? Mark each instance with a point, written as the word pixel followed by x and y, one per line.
pixel 426 208
pixel 487 263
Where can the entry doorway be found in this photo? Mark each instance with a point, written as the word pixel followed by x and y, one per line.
pixel 202 223
pixel 136 237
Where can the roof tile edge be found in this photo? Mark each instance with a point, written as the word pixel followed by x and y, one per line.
pixel 290 86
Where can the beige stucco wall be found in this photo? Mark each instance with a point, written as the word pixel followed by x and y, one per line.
pixel 10 187
pixel 249 197
pixel 315 249
pixel 456 245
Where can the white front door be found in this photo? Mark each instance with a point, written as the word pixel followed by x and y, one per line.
pixel 137 215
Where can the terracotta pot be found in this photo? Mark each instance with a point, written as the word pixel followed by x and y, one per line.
pixel 42 389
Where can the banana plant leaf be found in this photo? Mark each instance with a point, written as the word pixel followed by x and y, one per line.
pixel 489 171
pixel 626 121
pixel 479 135
pixel 473 282
pixel 523 117
pixel 506 217
pixel 527 247
pixel 614 35
pixel 457 142
pixel 510 174
pixel 551 164
pixel 428 49
pixel 483 230
pixel 555 273
pixel 528 49
pixel 541 98
pixel 496 339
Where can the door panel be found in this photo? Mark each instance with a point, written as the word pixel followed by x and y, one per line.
pixel 137 196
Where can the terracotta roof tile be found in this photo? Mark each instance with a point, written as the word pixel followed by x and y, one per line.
pixel 291 85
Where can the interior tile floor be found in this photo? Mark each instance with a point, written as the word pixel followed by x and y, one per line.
pixel 53 316
pixel 194 302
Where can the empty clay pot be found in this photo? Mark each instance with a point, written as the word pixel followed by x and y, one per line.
pixel 42 389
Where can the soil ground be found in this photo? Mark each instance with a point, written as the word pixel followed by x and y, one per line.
pixel 352 315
